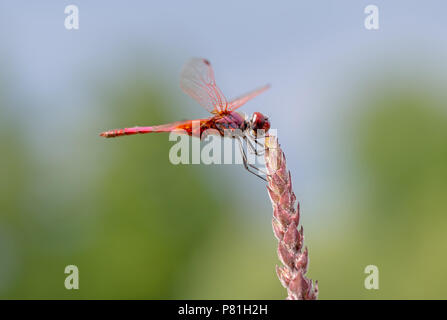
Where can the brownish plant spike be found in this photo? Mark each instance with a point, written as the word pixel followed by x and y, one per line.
pixel 285 226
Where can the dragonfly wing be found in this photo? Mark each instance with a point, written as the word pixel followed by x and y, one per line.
pixel 240 101
pixel 197 80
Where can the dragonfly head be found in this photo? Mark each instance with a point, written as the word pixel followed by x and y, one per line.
pixel 259 122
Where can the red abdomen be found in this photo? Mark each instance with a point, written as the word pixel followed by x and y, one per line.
pixel 194 128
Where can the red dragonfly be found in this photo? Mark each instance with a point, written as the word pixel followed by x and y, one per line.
pixel 197 80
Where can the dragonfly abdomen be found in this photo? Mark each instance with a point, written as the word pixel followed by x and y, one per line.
pixel 126 131
pixel 180 126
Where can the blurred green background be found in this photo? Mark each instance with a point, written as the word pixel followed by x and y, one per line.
pixel 361 116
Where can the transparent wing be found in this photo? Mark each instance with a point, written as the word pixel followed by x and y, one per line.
pixel 240 101
pixel 197 80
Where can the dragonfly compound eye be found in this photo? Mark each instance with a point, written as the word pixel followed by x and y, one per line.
pixel 259 122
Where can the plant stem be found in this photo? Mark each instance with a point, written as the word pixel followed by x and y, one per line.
pixel 285 226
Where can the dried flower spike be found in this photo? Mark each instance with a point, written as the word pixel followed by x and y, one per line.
pixel 285 226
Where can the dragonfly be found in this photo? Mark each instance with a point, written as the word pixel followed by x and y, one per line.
pixel 197 80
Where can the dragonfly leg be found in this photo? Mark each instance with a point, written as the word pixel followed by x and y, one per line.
pixel 256 139
pixel 259 143
pixel 253 148
pixel 256 152
pixel 248 166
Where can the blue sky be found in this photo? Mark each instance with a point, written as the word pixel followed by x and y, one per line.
pixel 311 52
